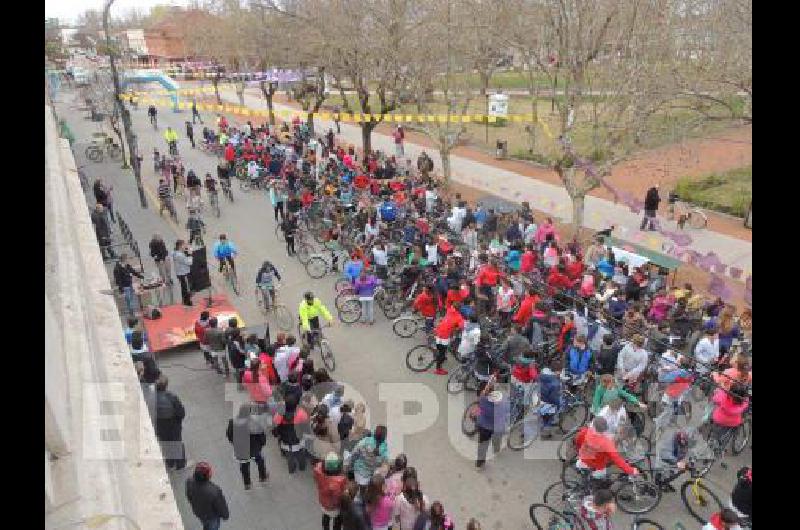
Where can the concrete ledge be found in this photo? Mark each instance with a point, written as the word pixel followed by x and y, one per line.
pixel 96 422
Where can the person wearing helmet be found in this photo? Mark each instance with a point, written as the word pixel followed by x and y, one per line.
pixel 310 309
pixel 206 498
pixel 225 250
pixel 265 281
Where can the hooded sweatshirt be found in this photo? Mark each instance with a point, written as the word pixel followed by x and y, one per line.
pixel 727 413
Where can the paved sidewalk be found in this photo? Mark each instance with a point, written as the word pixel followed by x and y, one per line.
pixel 599 213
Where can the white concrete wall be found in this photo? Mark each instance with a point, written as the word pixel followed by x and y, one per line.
pixel 101 456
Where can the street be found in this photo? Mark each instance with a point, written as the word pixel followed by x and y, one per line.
pixel 370 360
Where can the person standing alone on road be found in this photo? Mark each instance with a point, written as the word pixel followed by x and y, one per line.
pixel 103 231
pixel 190 133
pixel 399 136
pixel 651 201
pixel 182 258
pixel 248 437
pixel 195 114
pixel 206 498
pixel 169 424
pixel 123 273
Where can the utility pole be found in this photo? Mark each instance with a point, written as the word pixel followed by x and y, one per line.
pixel 133 148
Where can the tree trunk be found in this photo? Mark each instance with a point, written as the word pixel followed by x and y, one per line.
pixel 484 82
pixel 577 213
pixel 240 92
pixel 444 153
pixel 366 137
pixel 310 123
pixel 268 93
pixel 118 132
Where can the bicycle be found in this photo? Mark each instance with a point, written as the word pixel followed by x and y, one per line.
pixel 634 494
pixel 266 306
pixel 103 145
pixel 687 213
pixel 322 263
pixel 226 188
pixel 571 415
pixel 407 326
pixel 552 519
pixel 230 276
pixel 318 340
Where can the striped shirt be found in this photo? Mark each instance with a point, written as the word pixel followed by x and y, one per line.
pixel 163 191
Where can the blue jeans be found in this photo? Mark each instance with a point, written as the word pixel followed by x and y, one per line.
pixel 212 524
pixel 130 299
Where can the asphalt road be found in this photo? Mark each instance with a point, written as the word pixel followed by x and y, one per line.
pixel 423 420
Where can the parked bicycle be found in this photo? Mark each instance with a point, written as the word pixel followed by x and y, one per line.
pixel 102 145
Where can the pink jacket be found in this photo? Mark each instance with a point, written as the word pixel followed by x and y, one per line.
pixel 727 413
pixel 260 391
pixel 587 286
pixel 661 305
pixel 543 231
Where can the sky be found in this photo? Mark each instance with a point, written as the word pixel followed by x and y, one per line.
pixel 67 10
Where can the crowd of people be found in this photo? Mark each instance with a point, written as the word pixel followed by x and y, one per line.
pixel 503 290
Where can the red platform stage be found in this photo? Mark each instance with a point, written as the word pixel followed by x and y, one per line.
pixel 176 325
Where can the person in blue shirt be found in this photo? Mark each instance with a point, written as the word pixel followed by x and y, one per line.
pixel 225 250
pixel 346 195
pixel 409 233
pixel 133 326
pixel 353 268
pixel 492 421
pixel 579 360
pixel 605 267
pixel 617 305
pixel 513 258
pixel 388 211
pixel 480 216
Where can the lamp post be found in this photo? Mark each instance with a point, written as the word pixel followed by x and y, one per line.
pixel 133 149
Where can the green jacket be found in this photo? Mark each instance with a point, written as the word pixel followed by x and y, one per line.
pixel 603 396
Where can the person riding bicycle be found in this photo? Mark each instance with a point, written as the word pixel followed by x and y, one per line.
pixel 152 113
pixel 172 140
pixel 164 196
pixel 310 309
pixel 225 250
pixel 265 281
pixel 210 185
pixel 196 227
pixel 596 450
pixel 193 183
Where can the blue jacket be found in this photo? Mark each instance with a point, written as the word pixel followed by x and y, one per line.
pixel 388 211
pixel 605 268
pixel 550 388
pixel 409 234
pixel 224 250
pixel 617 307
pixel 353 269
pixel 513 259
pixel 579 360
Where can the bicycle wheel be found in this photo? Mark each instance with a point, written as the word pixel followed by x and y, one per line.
pixel 455 383
pixel 697 219
pixel 523 433
pixel 545 517
pixel 234 282
pixel 316 267
pixel 244 185
pixel 565 497
pixel 260 299
pixel 638 496
pixel 701 502
pixel 350 311
pixel 279 234
pixel 741 437
pixel 303 252
pixel 215 207
pixel 393 309
pixel 327 355
pixel 573 417
pixel 469 425
pixel 646 524
pixel 405 327
pixel 567 452
pixel 114 152
pixel 343 284
pixel 343 297
pixel 94 153
pixel 283 317
pixel 420 358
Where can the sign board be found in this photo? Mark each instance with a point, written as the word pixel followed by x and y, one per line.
pixel 498 105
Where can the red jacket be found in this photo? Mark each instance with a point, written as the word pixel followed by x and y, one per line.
pixel 259 391
pixel 329 487
pixel 396 186
pixel 200 332
pixel 566 329
pixel 557 280
pixel 456 295
pixel 525 310
pixel 449 324
pixel 361 182
pixel 268 367
pixel 487 275
pixel 527 262
pixel 727 413
pixel 230 153
pixel 597 451
pixel 425 304
pixel 525 374
pixel 574 270
pixel 307 199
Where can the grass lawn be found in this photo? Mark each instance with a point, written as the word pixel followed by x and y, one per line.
pixel 729 192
